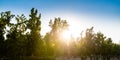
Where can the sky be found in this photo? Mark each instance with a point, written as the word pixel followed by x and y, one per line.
pixel 103 15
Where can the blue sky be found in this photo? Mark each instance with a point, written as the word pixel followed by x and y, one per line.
pixel 86 6
pixel 104 15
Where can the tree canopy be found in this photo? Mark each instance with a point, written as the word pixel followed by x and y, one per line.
pixel 23 38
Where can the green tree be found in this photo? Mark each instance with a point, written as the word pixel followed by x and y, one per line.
pixel 35 43
pixel 23 38
pixel 5 18
pixel 16 38
pixel 54 35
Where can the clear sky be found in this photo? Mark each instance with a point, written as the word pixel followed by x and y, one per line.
pixel 104 15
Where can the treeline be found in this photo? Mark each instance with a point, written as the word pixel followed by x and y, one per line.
pixel 23 38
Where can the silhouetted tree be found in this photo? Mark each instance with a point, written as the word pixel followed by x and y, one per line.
pixel 5 18
pixel 35 42
pixel 16 38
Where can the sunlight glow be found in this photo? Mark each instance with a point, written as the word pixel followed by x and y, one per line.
pixel 80 22
pixel 75 28
pixel 75 32
pixel 66 36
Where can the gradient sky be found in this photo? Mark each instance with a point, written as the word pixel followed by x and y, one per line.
pixel 104 15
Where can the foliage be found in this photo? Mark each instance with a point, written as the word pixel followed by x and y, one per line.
pixel 53 39
pixel 23 38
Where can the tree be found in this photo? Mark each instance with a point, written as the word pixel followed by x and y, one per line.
pixel 5 18
pixel 54 35
pixel 16 38
pixel 23 38
pixel 35 43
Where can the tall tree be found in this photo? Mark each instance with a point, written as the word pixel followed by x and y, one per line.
pixel 16 37
pixel 5 18
pixel 34 24
pixel 57 26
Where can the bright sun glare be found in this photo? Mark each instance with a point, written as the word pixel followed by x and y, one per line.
pixel 74 30
pixel 66 36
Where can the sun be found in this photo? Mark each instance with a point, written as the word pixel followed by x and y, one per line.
pixel 66 35
pixel 75 30
pixel 72 32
